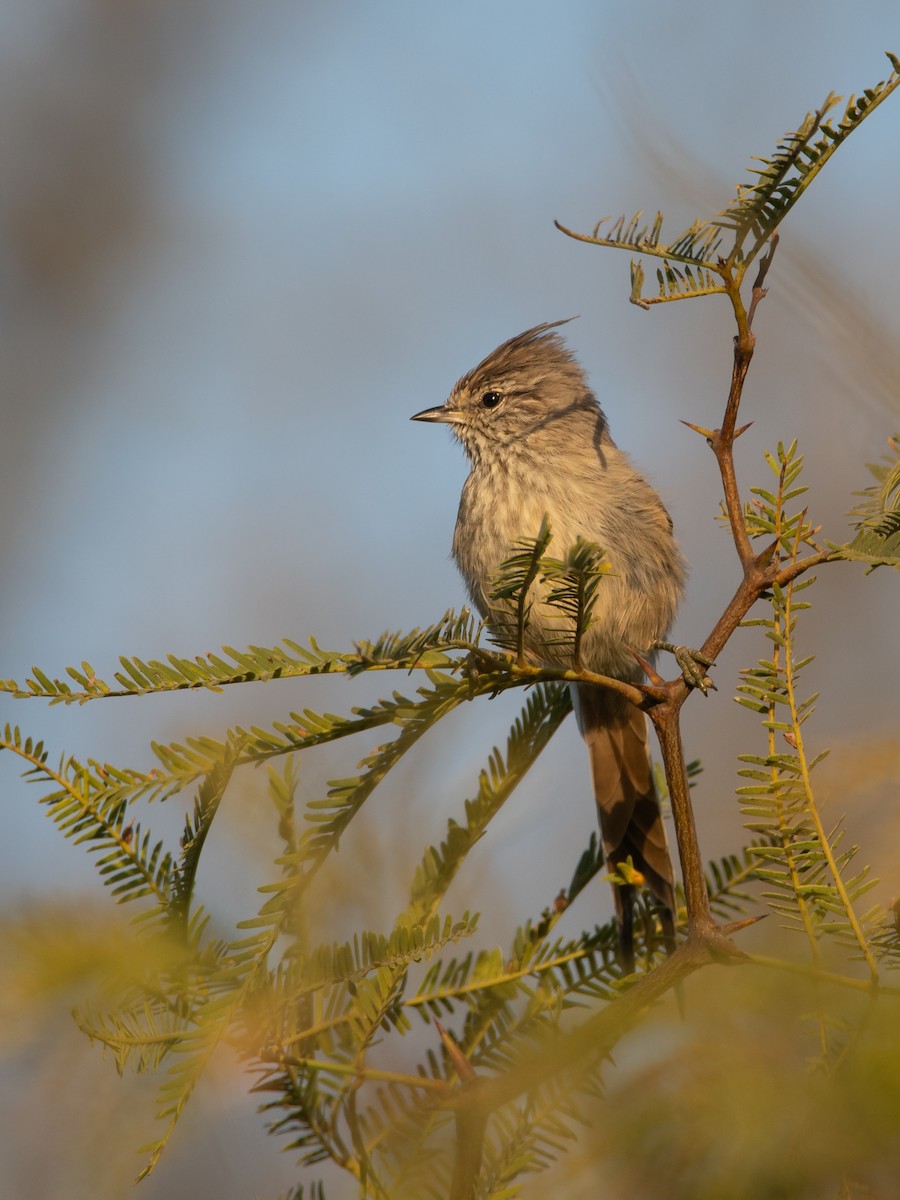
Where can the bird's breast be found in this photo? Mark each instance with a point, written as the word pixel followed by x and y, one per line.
pixel 501 506
pixel 504 503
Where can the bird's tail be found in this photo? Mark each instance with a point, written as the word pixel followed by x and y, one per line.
pixel 630 820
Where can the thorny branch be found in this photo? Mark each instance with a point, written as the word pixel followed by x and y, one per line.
pixel 760 572
pixel 706 940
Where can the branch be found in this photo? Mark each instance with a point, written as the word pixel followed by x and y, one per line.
pixel 665 718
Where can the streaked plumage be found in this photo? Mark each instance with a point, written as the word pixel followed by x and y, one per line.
pixel 539 443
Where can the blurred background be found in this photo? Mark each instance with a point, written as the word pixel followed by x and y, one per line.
pixel 241 245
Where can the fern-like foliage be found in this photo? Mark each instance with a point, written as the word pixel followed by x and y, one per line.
pixel 139 1037
pixel 757 210
pixel 706 265
pixel 877 516
pixel 803 862
pixel 566 588
pixel 317 1023
pixel 885 941
pixel 88 802
pixel 315 1191
pixel 256 664
pixel 210 671
pixel 331 1000
pixel 512 595
pixel 767 515
pixel 307 1017
pixel 545 709
pixel 572 585
pixel 674 282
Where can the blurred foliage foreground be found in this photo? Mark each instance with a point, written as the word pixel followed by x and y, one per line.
pixel 425 1069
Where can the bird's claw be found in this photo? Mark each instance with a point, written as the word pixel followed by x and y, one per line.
pixel 693 664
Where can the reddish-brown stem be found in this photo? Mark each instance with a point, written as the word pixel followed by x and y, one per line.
pixel 722 440
pixel 757 579
pixel 759 290
pixel 722 443
pixel 706 941
pixel 666 719
pixel 748 592
pixel 792 570
pixel 758 574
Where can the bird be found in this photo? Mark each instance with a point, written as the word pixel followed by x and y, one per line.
pixel 539 447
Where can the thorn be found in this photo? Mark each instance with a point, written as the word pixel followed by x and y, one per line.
pixel 736 926
pixel 656 680
pixel 707 433
pixel 743 429
pixel 763 559
pixel 461 1064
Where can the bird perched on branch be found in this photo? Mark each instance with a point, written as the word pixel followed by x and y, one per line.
pixel 539 446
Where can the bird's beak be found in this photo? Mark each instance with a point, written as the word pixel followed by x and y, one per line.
pixel 442 414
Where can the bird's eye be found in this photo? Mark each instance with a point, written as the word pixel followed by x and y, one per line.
pixel 490 399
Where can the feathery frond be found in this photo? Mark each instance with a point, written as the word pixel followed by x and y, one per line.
pixel 767 515
pixel 782 178
pixel 139 1038
pixel 877 516
pixel 210 671
pixel 422 649
pixel 801 861
pixel 88 803
pixel 545 709
pixel 317 1021
pixel 749 221
pixel 512 594
pixel 572 590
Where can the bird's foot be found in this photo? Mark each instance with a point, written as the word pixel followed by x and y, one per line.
pixel 693 665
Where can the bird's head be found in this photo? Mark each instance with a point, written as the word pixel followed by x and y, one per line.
pixel 529 387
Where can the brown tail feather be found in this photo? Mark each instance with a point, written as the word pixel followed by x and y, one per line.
pixel 627 804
